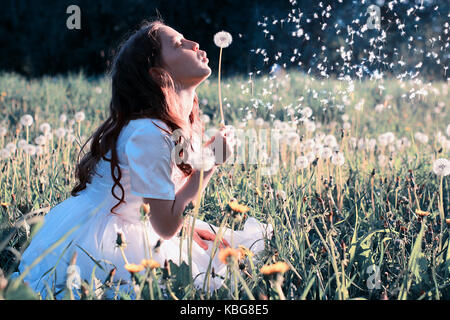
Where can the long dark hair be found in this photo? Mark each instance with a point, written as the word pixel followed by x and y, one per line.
pixel 136 94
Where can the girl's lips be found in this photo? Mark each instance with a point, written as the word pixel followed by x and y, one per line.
pixel 206 60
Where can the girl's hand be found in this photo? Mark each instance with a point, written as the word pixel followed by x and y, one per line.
pixel 223 143
pixel 200 236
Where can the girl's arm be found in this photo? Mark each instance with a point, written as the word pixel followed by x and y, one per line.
pixel 166 216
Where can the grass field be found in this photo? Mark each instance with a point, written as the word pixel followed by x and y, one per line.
pixel 359 205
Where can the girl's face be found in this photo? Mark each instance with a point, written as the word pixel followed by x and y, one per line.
pixel 182 58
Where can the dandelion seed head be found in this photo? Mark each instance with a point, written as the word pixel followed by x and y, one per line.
pixel 222 39
pixel 441 167
pixel 26 120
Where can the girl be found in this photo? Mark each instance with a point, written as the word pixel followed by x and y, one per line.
pixel 154 77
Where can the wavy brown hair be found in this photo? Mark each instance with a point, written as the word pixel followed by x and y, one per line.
pixel 137 94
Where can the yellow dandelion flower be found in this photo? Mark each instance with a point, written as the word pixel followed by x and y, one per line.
pixel 150 263
pixel 245 252
pixel 3 94
pixel 279 267
pixel 235 206
pixel 422 213
pixel 131 267
pixel 229 253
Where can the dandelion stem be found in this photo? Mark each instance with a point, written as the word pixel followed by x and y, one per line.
pixel 220 92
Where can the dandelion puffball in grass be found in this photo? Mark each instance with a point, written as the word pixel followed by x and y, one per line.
pixel 5 154
pixel 306 112
pixel 3 131
pixel 79 116
pixel 302 162
pixel 45 127
pixel 63 118
pixel 22 143
pixel 222 39
pixel 338 159
pixel 326 153
pixel 40 140
pixel 441 167
pixel 448 130
pixel 26 120
pixel 421 137
pixel 11 147
pixel 60 132
pixel 30 149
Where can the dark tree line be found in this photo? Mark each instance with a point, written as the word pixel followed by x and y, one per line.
pixel 34 39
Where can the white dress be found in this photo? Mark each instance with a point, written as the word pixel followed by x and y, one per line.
pixel 147 171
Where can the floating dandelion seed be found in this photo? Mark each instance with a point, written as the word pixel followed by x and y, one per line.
pixel 222 39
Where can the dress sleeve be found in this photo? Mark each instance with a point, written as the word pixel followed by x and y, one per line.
pixel 148 152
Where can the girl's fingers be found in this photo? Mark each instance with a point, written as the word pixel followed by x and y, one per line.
pixel 200 242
